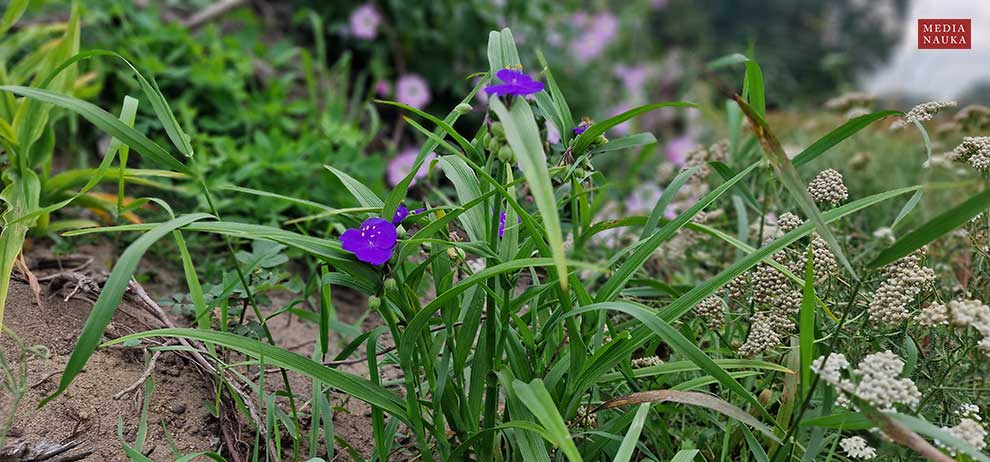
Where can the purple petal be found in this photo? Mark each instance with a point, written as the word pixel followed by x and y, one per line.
pixel 507 75
pixel 379 233
pixel 351 240
pixel 400 214
pixel 375 256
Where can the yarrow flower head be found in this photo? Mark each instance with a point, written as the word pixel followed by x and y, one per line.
pixel 514 83
pixel 926 111
pixel 827 188
pixel 975 150
pixel 364 22
pixel 856 448
pixel 373 242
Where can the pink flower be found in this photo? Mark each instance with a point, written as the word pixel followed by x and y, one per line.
pixel 599 30
pixel 658 4
pixel 634 77
pixel 383 88
pixel 553 135
pixel 402 164
pixel 643 199
pixel 678 148
pixel 624 128
pixel 412 90
pixel 364 22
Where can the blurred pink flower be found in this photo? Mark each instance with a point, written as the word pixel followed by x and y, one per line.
pixel 402 164
pixel 412 90
pixel 383 88
pixel 678 148
pixel 642 199
pixel 597 32
pixel 624 128
pixel 553 135
pixel 481 96
pixel 658 4
pixel 364 22
pixel 633 77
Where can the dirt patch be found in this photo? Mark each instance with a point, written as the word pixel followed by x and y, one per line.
pixel 88 412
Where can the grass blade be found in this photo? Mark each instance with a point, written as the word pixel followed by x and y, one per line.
pixel 599 128
pixel 933 229
pixel 524 138
pixel 625 452
pixel 806 329
pixel 536 397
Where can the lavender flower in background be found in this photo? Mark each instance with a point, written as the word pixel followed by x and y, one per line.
pixel 364 22
pixel 624 128
pixel 553 134
pixel 678 149
pixel 373 242
pixel 658 4
pixel 383 88
pixel 412 90
pixel 402 164
pixel 633 77
pixel 515 83
pixel 597 32
pixel 643 199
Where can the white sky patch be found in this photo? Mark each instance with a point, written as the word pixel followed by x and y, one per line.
pixel 937 74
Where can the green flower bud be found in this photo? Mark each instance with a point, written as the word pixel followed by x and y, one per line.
pixel 462 108
pixel 505 154
pixel 374 302
pixel 390 284
pixel 580 172
pixel 493 144
pixel 600 140
pixel 498 130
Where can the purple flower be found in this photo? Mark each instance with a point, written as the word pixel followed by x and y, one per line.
pixel 678 148
pixel 501 223
pixel 373 242
pixel 514 83
pixel 413 91
pixel 634 77
pixel 402 164
pixel 583 126
pixel 402 212
pixel 364 22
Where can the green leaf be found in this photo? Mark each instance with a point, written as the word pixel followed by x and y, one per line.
pixel 106 122
pixel 468 189
pixel 625 452
pixel 110 296
pixel 668 195
pixel 679 343
pixel 347 383
pixel 836 136
pixel 524 138
pixel 926 428
pixel 685 455
pixel 13 12
pixel 21 197
pixel 806 329
pixel 365 196
pixel 933 229
pixel 599 128
pixel 536 397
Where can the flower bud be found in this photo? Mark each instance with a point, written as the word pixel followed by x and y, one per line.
pixel 505 154
pixel 493 144
pixel 498 130
pixel 455 253
pixel 462 108
pixel 390 284
pixel 374 302
pixel 580 173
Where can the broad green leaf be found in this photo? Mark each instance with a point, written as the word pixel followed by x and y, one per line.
pixel 468 189
pixel 365 196
pixel 12 13
pixel 934 229
pixel 21 198
pixel 685 455
pixel 524 139
pixel 111 295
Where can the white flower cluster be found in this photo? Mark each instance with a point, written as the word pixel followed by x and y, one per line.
pixel 712 311
pixel 825 264
pixel 974 150
pixel 788 222
pixel 701 156
pixel 828 188
pixel 969 430
pixel 973 117
pixel 926 111
pixel 875 380
pixel 960 313
pixel 856 448
pixel 903 280
pixel 647 361
pixel 851 101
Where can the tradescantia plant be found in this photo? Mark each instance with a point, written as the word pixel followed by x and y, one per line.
pixel 521 350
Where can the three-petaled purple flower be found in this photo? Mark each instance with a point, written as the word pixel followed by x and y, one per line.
pixel 373 242
pixel 515 83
